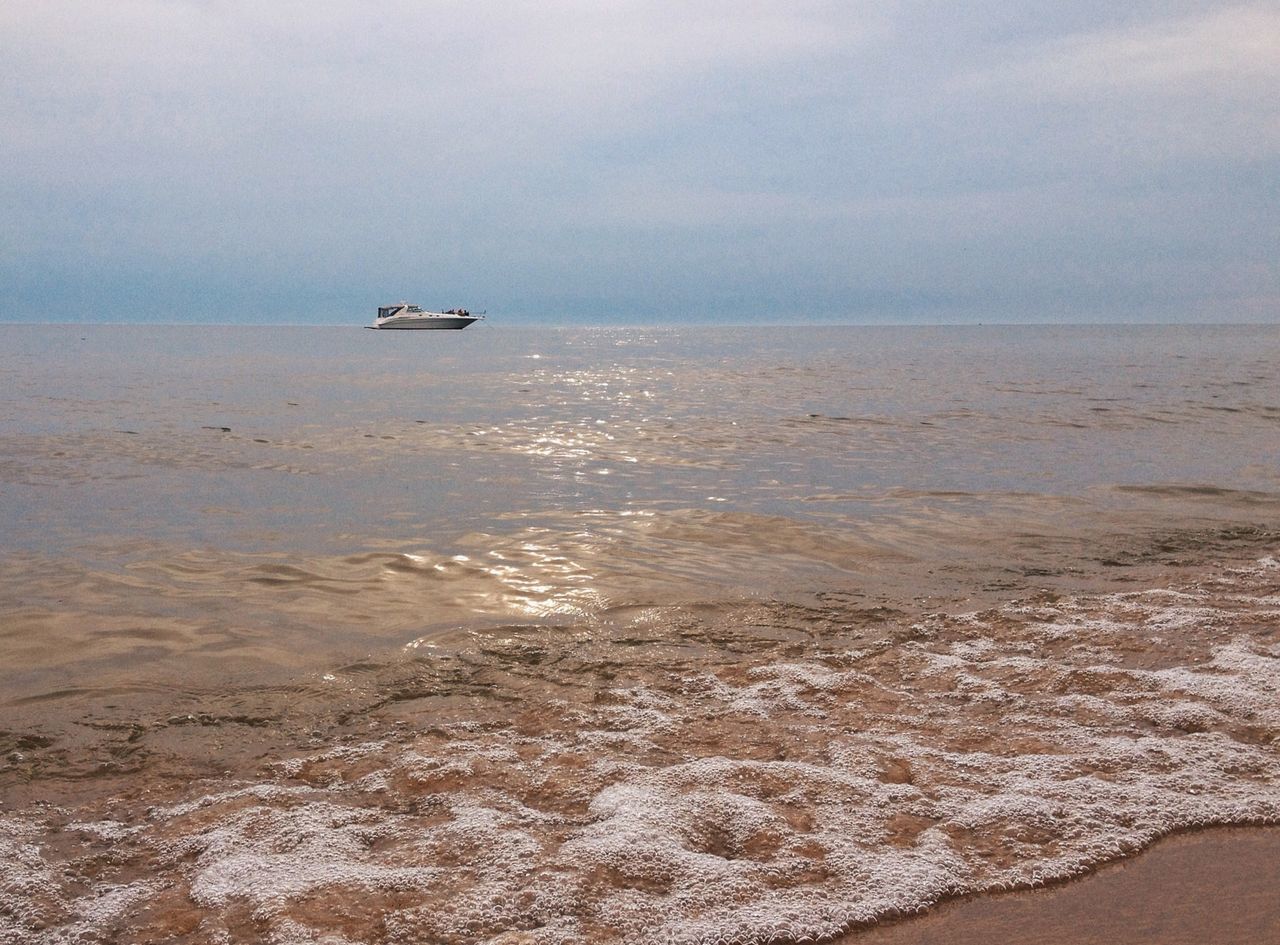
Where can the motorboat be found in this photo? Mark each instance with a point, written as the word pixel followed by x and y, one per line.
pixel 405 315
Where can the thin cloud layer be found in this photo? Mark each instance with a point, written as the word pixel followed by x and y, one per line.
pixel 1214 51
pixel 577 161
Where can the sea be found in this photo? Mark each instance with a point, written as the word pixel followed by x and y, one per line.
pixel 650 635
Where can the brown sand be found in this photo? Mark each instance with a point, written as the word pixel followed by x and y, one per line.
pixel 1217 886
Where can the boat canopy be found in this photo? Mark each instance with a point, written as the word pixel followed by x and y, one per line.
pixel 400 308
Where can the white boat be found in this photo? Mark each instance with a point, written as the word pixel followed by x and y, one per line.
pixel 404 315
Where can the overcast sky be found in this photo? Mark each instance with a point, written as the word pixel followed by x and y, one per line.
pixel 577 162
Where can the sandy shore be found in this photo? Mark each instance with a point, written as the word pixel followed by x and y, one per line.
pixel 1220 886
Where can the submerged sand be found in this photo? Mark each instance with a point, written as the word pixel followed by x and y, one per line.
pixel 774 773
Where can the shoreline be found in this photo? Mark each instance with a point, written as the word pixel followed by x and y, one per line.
pixel 1216 884
pixel 314 790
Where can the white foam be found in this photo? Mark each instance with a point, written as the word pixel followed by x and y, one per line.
pixel 266 857
pixel 29 890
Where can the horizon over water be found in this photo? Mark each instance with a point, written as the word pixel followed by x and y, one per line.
pixel 659 322
pixel 652 634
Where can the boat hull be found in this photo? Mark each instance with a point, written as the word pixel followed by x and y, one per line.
pixel 427 322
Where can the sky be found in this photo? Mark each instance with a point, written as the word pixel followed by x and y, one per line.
pixel 636 161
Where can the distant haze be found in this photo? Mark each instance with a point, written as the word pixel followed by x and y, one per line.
pixel 640 162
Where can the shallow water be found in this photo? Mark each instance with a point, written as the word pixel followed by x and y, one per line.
pixel 626 634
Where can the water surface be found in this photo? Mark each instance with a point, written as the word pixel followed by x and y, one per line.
pixel 620 634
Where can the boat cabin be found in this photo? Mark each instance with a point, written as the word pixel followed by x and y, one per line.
pixel 385 311
pixel 404 308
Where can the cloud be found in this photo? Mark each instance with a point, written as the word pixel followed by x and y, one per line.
pixel 1229 50
pixel 549 153
pixel 141 66
pixel 1207 84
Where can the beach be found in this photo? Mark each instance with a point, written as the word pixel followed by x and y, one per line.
pixel 1210 886
pixel 639 635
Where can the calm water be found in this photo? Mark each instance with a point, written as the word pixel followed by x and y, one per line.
pixel 626 634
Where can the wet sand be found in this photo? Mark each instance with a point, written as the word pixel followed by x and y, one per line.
pixel 1220 886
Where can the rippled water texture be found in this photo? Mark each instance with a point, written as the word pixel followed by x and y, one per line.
pixel 320 635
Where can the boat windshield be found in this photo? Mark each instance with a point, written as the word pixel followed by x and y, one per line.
pixel 415 309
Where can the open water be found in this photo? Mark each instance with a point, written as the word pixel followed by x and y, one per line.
pixel 314 635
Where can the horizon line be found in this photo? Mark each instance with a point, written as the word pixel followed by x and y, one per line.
pixel 792 323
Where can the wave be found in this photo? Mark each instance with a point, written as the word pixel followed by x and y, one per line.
pixel 727 786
